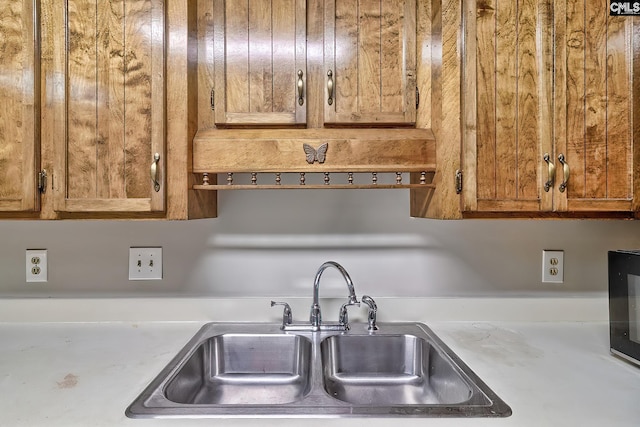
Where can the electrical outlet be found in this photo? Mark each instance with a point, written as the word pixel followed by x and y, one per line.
pixel 145 263
pixel 552 266
pixel 36 263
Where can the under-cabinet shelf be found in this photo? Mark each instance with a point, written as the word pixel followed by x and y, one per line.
pixel 341 158
pixel 313 150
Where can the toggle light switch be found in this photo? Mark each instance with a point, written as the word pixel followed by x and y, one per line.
pixel 145 263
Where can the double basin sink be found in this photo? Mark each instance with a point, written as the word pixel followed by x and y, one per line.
pixel 257 369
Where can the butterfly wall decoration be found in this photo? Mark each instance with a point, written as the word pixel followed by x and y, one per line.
pixel 313 154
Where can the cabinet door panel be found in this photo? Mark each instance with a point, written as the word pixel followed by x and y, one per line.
pixel 370 52
pixel 110 121
pixel 530 98
pixel 599 105
pixel 260 46
pixel 19 120
pixel 510 104
pixel 619 120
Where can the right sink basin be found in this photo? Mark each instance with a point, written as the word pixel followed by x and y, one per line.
pixel 390 370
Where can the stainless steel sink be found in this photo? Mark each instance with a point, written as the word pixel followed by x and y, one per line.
pixel 249 370
pixel 236 369
pixel 390 370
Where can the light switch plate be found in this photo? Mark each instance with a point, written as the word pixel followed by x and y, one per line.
pixel 36 264
pixel 145 263
pixel 552 266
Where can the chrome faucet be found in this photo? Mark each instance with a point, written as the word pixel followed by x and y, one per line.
pixel 315 317
pixel 316 314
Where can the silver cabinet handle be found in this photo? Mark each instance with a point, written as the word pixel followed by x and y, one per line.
pixel 566 171
pixel 42 181
pixel 300 88
pixel 330 87
pixel 154 172
pixel 552 172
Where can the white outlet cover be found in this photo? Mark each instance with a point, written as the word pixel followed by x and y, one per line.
pixel 145 263
pixel 552 266
pixel 36 265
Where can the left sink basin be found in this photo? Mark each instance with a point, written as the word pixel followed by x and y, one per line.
pixel 236 369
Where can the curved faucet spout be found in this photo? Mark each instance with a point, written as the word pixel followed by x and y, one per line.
pixel 316 316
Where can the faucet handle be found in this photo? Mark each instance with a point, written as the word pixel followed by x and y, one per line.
pixel 343 317
pixel 372 314
pixel 287 315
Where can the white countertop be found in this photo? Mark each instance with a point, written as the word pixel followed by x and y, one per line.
pixel 86 373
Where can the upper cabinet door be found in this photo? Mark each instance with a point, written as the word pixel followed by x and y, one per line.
pixel 370 62
pixel 507 87
pixel 108 105
pixel 594 105
pixel 19 93
pixel 260 62
pixel 548 107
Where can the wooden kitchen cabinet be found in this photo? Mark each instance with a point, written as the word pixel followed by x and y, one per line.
pixel 261 62
pixel 106 104
pixel 19 120
pixel 596 106
pixel 370 62
pixel 360 64
pixel 91 91
pixel 548 80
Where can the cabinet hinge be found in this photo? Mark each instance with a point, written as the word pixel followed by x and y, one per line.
pixel 458 181
pixel 42 181
pixel 417 97
pixel 213 99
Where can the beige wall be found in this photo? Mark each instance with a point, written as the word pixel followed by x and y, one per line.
pixel 269 243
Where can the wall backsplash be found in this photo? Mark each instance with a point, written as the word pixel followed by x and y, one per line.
pixel 270 243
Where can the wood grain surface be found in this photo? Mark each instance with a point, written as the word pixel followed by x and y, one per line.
pixel 349 150
pixel 259 46
pixel 370 47
pixel 114 111
pixel 599 105
pixel 19 120
pixel 552 77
